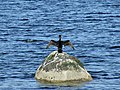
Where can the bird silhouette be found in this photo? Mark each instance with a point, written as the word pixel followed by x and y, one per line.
pixel 59 44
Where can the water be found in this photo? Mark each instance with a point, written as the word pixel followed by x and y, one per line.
pixel 26 27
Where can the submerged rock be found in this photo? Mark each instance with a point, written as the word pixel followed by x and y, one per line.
pixel 60 67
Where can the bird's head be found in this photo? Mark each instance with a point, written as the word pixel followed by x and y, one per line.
pixel 60 37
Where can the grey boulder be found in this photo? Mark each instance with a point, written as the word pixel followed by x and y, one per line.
pixel 61 67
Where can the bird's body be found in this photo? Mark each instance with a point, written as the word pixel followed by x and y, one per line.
pixel 59 44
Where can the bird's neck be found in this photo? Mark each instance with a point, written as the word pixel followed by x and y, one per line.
pixel 59 39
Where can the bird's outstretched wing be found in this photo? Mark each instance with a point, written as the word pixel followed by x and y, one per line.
pixel 67 42
pixel 52 42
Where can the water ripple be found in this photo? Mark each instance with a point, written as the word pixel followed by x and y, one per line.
pixel 27 26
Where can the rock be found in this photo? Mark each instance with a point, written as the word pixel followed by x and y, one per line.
pixel 60 67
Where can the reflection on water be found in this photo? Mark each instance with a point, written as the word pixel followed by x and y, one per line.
pixel 65 83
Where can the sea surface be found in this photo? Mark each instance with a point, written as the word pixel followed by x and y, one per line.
pixel 27 26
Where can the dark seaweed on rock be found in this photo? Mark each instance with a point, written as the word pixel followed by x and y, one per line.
pixel 61 62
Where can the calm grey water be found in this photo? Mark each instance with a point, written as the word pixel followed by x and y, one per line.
pixel 26 27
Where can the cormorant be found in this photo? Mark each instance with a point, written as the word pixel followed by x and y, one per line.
pixel 59 44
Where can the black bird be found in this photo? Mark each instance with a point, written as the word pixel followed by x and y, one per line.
pixel 59 44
